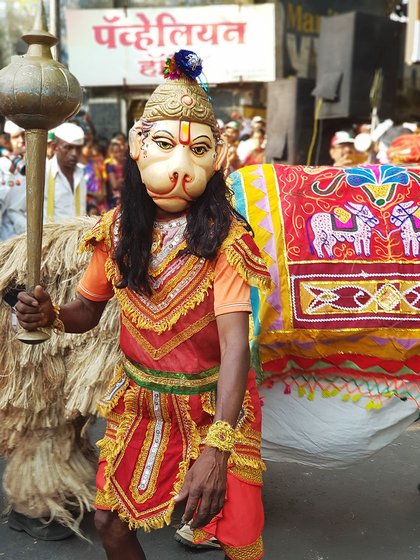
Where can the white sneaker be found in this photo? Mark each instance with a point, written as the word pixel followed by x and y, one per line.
pixel 184 535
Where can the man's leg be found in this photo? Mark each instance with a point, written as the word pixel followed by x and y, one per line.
pixel 117 539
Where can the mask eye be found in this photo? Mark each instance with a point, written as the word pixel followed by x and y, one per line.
pixel 164 145
pixel 200 150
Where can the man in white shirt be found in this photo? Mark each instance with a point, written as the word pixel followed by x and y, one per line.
pixel 65 187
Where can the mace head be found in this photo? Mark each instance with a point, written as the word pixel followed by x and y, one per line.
pixel 36 91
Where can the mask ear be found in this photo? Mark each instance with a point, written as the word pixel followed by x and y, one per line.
pixel 134 140
pixel 221 154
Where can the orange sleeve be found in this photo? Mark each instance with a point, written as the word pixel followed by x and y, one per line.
pixel 94 284
pixel 231 292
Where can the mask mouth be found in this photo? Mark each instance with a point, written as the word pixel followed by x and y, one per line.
pixel 176 197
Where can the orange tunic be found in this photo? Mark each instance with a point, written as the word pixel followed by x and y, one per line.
pixel 162 400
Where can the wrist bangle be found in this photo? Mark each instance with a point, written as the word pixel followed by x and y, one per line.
pixel 57 324
pixel 221 435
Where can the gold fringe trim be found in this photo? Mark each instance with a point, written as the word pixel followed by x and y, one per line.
pixel 101 231
pixel 107 403
pixel 135 316
pixel 253 551
pixel 249 475
pixel 237 230
pixel 246 416
pixel 208 402
pixel 111 449
pixel 192 453
pixel 199 536
pixel 262 282
pixel 157 521
pixel 171 344
pixel 241 460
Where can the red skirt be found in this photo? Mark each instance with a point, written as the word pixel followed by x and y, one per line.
pixel 150 442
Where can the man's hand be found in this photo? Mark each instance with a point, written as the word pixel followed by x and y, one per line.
pixel 36 310
pixel 204 487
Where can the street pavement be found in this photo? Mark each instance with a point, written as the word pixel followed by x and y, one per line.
pixel 370 511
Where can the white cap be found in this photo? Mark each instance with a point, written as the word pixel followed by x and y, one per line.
pixel 341 137
pixel 70 133
pixel 233 124
pixel 12 128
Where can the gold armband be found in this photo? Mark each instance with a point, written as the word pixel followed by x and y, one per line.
pixel 221 435
pixel 58 324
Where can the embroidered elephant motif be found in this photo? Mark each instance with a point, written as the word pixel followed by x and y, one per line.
pixel 327 230
pixel 406 216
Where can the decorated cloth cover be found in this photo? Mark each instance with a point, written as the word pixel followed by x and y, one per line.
pixel 342 246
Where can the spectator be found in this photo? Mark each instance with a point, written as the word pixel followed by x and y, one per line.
pixel 385 141
pixel 13 184
pixel 5 146
pixel 405 150
pixel 114 172
pixel 245 147
pixel 231 135
pixel 256 155
pixel 50 144
pixel 65 187
pixel 343 152
pixel 94 169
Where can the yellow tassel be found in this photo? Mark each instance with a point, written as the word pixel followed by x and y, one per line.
pixel 335 392
pixel 311 396
pixel 345 397
pixel 246 461
pixel 301 391
pixel 369 405
pixel 325 394
pixel 356 397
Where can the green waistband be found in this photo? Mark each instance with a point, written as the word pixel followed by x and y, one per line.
pixel 172 382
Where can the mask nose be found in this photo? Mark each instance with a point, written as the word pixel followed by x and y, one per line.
pixel 180 167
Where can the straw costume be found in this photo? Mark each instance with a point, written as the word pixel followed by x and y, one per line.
pixel 163 405
pixel 48 391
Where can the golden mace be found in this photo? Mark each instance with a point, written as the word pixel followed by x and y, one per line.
pixel 37 93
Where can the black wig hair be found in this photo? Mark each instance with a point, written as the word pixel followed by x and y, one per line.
pixel 208 223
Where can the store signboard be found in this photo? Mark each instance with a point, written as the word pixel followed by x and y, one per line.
pixel 299 28
pixel 129 47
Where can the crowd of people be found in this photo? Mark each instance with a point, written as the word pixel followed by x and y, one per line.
pixel 93 181
pixel 88 172
pixel 388 143
pixel 84 175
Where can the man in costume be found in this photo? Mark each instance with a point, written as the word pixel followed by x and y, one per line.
pixel 183 413
pixel 49 391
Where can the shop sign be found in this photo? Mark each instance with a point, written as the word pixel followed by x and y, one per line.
pixel 130 46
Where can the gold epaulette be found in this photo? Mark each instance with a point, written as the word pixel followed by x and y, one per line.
pixel 101 231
